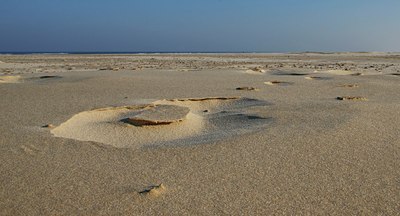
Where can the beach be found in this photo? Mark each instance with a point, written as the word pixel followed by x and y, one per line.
pixel 200 134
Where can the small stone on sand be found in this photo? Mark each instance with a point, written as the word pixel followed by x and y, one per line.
pixel 48 126
pixel 258 69
pixel 154 190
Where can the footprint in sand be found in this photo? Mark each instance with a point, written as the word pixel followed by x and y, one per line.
pixel 167 122
pixel 30 149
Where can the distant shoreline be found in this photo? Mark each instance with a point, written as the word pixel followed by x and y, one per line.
pixel 195 52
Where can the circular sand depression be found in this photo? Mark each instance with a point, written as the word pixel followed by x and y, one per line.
pixel 167 122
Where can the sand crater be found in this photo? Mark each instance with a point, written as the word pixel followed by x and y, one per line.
pixel 167 122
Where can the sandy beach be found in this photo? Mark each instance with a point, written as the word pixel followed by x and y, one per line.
pixel 200 134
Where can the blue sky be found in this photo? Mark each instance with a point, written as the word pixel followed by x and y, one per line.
pixel 200 25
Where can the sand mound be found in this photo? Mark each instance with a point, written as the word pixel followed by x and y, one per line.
pixel 159 115
pixel 10 79
pixel 255 70
pixel 338 72
pixel 167 122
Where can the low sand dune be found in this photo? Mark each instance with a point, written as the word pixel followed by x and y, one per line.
pixel 255 70
pixel 10 79
pixel 338 72
pixel 19 79
pixel 166 121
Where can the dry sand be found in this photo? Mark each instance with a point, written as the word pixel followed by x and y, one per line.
pixel 169 134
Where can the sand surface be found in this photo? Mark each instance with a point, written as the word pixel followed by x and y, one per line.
pixel 200 134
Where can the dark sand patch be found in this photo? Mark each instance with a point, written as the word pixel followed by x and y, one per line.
pixel 50 77
pixel 317 78
pixel 276 82
pixel 352 98
pixel 349 86
pixel 247 89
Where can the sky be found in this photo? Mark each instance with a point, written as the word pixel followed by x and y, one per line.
pixel 199 25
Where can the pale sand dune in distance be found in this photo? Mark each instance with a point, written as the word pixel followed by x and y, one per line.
pixel 255 70
pixel 10 79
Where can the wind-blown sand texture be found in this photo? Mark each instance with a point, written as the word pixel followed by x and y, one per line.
pixel 169 134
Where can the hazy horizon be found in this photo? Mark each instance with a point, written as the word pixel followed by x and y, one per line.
pixel 194 26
